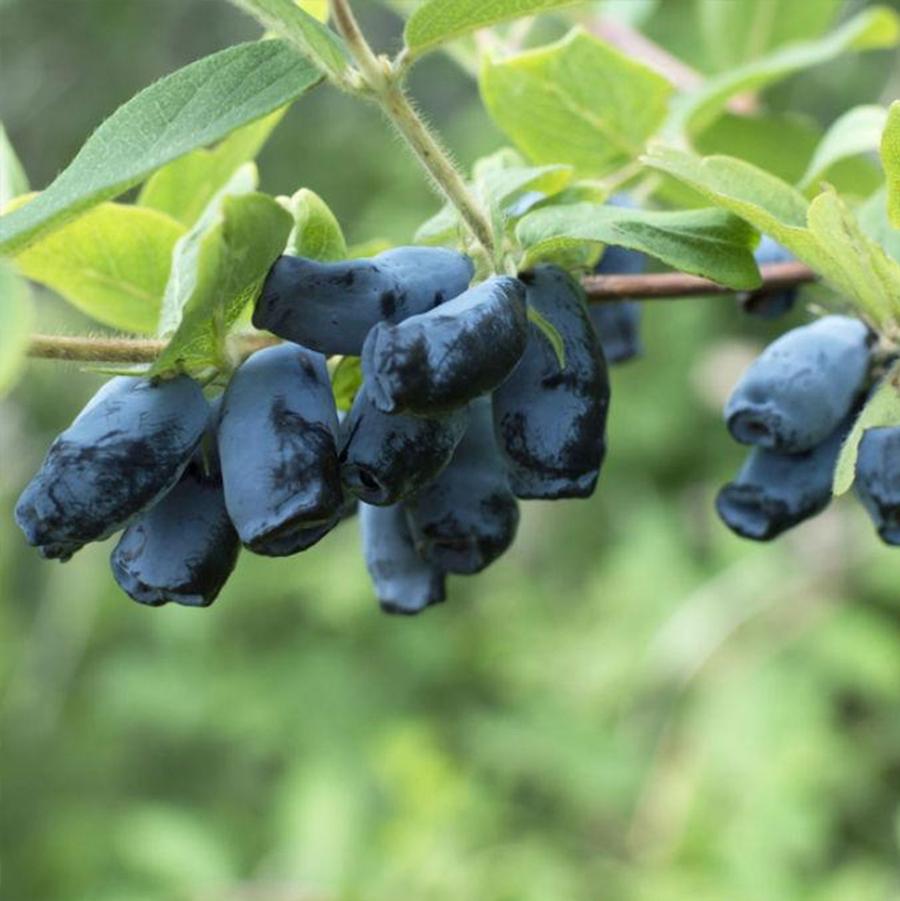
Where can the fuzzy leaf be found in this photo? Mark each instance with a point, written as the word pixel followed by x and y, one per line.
pixel 232 260
pixel 311 37
pixel 824 234
pixel 577 102
pixel 436 21
pixel 193 107
pixel 702 242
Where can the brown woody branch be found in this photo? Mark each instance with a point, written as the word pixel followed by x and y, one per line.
pixel 599 289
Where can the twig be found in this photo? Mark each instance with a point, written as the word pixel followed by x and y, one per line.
pixel 599 289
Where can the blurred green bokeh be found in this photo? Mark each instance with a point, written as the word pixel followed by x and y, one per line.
pixel 633 705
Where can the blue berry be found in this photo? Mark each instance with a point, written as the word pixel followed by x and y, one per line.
pixel 404 582
pixel 878 480
pixel 438 361
pixel 764 305
pixel 801 387
pixel 385 458
pixel 127 448
pixel 277 437
pixel 550 420
pixel 468 516
pixel 330 307
pixel 774 492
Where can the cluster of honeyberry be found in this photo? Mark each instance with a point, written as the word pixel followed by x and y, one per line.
pixel 465 407
pixel 795 405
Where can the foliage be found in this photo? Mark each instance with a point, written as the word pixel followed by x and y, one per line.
pixel 632 701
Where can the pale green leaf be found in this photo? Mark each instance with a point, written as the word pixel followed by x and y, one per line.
pixel 191 108
pixel 739 31
pixel 708 243
pixel 881 409
pixel 185 186
pixel 577 102
pixel 232 262
pixel 316 234
pixel 824 234
pixel 866 272
pixel 857 131
pixel 185 270
pixel 370 248
pixel 437 21
pixel 310 36
pixel 318 9
pixel 111 263
pixel 13 180
pixel 890 156
pixel 15 325
pixel 346 380
pixel 873 28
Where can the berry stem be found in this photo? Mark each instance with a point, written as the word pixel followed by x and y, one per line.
pixel 383 83
pixel 599 289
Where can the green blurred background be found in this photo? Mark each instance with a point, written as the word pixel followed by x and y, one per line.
pixel 632 704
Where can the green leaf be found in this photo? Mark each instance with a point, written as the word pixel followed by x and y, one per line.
pixel 551 333
pixel 184 187
pixel 702 242
pixel 738 32
pixel 313 39
pixel 881 409
pixel 112 264
pixel 13 180
pixel 577 102
pixel 857 131
pixel 15 325
pixel 890 156
pixel 824 234
pixel 316 234
pixel 854 261
pixel 191 108
pixel 346 380
pixel 185 271
pixel 444 227
pixel 873 28
pixel 318 9
pixel 232 261
pixel 436 21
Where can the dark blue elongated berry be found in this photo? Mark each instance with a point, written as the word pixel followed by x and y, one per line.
pixel 184 548
pixel 404 582
pixel 774 492
pixel 878 480
pixel 550 419
pixel 802 385
pixel 767 305
pixel 618 324
pixel 126 449
pixel 468 516
pixel 277 437
pixel 330 307
pixel 438 361
pixel 385 458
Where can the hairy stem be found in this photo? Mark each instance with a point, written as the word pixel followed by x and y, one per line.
pixel 599 289
pixel 384 84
